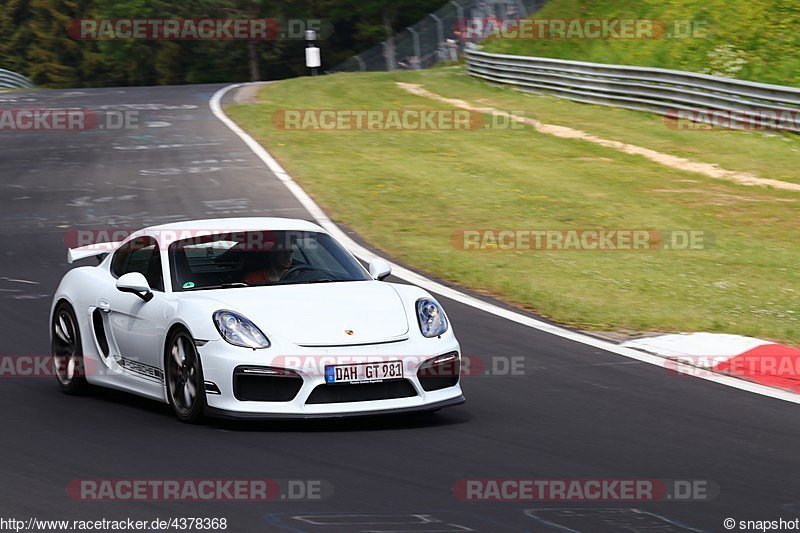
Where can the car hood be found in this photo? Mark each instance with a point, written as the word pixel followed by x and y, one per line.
pixel 319 314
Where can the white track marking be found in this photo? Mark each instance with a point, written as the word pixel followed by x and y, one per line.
pixel 15 280
pixel 163 146
pixel 176 171
pixel 453 294
pixel 711 348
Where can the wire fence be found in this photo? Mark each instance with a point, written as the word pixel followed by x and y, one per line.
pixel 440 36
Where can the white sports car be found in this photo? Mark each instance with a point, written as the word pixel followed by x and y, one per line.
pixel 251 318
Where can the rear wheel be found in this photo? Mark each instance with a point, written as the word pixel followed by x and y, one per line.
pixel 185 385
pixel 67 350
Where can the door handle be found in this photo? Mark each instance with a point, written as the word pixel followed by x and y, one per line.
pixel 104 306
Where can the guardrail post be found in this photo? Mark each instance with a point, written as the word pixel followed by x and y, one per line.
pixel 361 65
pixel 523 13
pixel 415 38
pixel 459 10
pixel 439 28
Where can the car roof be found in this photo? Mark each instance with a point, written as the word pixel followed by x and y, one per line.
pixel 224 225
pixel 167 233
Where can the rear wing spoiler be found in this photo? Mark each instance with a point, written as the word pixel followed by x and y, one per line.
pixel 99 250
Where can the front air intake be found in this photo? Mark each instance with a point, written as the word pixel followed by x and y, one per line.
pixel 265 384
pixel 440 372
pixel 362 392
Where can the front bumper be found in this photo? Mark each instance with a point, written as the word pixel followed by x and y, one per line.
pixel 233 415
pixel 220 361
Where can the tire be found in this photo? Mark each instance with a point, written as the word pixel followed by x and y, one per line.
pixel 67 350
pixel 183 373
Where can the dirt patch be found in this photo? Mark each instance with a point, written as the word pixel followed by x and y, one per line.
pixel 725 196
pixel 248 93
pixel 678 163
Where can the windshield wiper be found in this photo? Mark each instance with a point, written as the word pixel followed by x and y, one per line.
pixel 234 285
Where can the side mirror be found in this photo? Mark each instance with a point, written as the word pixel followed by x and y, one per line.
pixel 379 269
pixel 135 283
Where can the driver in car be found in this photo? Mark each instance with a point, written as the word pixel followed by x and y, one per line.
pixel 276 261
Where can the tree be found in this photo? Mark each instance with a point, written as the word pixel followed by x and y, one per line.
pixel 16 36
pixel 34 39
pixel 53 56
pixel 388 17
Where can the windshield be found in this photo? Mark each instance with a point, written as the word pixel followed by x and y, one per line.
pixel 258 258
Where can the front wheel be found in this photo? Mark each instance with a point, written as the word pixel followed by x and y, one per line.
pixel 67 350
pixel 185 385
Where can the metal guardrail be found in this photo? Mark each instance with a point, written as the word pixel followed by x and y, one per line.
pixel 672 93
pixel 12 80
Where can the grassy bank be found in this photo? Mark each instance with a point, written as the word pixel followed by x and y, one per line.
pixel 747 39
pixel 407 192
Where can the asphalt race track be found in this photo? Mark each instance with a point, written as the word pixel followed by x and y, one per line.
pixel 574 412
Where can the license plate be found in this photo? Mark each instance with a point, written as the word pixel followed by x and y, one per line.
pixel 364 372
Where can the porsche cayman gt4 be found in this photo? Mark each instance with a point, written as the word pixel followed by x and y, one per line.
pixel 250 318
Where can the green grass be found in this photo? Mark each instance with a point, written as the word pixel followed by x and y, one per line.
pixel 407 192
pixel 767 155
pixel 762 33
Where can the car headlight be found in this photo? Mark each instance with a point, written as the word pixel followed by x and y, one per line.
pixel 430 314
pixel 239 331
